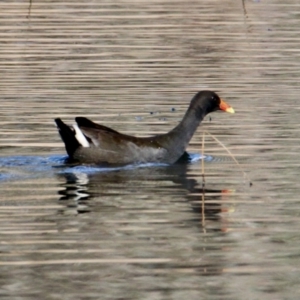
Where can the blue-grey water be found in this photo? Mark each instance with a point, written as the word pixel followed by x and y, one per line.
pixel 151 231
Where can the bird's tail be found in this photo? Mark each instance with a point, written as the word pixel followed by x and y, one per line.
pixel 68 135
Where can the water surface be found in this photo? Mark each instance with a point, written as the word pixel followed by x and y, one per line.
pixel 150 232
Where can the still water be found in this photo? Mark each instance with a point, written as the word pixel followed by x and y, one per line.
pixel 150 232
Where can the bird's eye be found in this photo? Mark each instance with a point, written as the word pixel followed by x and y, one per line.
pixel 214 98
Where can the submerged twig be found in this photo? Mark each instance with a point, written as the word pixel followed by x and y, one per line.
pixel 203 210
pixel 29 9
pixel 203 182
pixel 203 175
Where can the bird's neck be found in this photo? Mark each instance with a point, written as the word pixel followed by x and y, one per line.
pixel 178 138
pixel 188 125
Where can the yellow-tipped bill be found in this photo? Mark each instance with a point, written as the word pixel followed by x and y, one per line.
pixel 226 107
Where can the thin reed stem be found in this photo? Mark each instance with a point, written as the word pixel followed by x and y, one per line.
pixel 231 155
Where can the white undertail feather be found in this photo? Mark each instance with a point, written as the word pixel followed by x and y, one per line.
pixel 80 137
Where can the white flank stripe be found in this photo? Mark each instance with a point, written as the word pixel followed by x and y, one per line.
pixel 80 137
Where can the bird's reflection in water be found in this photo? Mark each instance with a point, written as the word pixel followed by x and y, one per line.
pixel 81 187
pixel 75 192
pixel 165 199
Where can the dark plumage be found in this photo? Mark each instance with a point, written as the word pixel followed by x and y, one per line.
pixel 88 142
